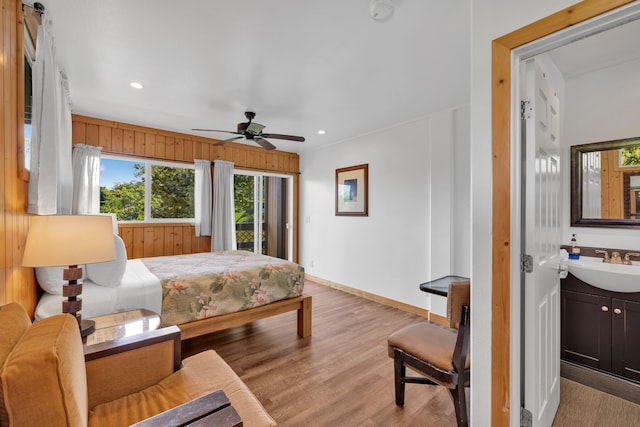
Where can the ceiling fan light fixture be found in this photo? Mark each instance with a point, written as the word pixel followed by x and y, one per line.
pixel 255 128
pixel 381 10
pixel 253 132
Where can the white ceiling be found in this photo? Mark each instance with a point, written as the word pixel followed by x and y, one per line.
pixel 601 50
pixel 301 65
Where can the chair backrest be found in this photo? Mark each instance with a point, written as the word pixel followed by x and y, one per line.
pixel 461 350
pixel 459 294
pixel 44 379
pixel 14 323
pixel 458 313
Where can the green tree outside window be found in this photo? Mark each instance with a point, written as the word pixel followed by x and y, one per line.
pixel 172 194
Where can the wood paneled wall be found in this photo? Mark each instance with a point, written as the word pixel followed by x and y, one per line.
pixel 144 240
pixel 147 240
pixel 126 139
pixel 17 283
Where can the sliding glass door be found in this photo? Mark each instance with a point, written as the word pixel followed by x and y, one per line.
pixel 263 209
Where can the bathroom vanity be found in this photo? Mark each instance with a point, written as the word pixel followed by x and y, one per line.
pixel 600 328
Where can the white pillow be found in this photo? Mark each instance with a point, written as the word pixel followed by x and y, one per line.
pixel 50 278
pixel 109 273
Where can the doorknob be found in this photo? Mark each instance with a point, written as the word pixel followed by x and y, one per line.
pixel 617 311
pixel 604 308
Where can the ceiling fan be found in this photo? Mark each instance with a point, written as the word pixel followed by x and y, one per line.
pixel 253 132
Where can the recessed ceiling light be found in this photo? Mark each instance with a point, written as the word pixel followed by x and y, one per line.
pixel 321 132
pixel 381 10
pixel 136 85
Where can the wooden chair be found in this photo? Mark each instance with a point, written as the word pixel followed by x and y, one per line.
pixel 438 353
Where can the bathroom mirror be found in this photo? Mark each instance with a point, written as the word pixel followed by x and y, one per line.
pixel 605 184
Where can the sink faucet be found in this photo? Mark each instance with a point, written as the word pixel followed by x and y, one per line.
pixel 627 259
pixel 615 258
pixel 606 255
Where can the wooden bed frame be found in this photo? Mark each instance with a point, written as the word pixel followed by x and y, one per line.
pixel 217 323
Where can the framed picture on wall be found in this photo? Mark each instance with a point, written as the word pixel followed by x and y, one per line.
pixel 352 191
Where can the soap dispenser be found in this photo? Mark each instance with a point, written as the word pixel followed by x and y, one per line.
pixel 575 251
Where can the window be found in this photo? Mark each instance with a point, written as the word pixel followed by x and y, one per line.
pixel 28 99
pixel 146 190
pixel 28 57
pixel 630 156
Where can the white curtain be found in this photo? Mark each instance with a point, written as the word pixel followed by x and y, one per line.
pixel 86 179
pixel 50 182
pixel 203 197
pixel 223 234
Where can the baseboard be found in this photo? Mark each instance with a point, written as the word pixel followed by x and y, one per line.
pixel 602 381
pixel 376 298
pixel 440 320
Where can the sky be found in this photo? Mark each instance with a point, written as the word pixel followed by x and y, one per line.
pixel 113 171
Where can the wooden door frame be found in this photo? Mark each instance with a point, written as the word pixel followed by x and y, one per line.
pixel 501 183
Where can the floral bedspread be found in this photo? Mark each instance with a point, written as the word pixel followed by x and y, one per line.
pixel 197 286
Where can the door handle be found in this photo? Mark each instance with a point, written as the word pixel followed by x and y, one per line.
pixel 604 308
pixel 563 270
pixel 617 311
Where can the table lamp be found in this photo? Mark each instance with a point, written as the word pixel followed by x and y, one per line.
pixel 70 240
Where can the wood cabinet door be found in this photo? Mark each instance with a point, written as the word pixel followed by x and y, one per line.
pixel 586 329
pixel 625 318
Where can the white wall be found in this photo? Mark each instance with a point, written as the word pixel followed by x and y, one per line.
pixel 461 252
pixel 602 105
pixel 408 235
pixel 490 19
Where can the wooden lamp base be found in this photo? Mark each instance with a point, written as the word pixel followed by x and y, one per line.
pixel 87 327
pixel 73 304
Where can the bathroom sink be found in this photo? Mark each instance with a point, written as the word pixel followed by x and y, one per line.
pixel 612 277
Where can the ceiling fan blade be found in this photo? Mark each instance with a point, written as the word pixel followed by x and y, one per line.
pixel 228 140
pixel 215 130
pixel 264 143
pixel 279 136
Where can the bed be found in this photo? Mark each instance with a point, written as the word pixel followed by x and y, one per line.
pixel 201 293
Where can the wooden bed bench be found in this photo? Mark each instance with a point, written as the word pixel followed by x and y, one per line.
pixel 217 323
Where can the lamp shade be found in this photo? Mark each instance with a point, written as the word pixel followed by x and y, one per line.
pixel 63 240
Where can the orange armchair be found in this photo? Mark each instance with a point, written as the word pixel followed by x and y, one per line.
pixel 45 380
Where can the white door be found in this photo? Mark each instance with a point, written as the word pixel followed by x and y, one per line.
pixel 541 222
pixel 263 208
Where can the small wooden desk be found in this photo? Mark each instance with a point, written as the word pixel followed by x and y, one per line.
pixel 441 286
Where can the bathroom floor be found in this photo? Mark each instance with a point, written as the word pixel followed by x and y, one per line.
pixel 587 407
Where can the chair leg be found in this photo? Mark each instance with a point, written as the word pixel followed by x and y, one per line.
pixel 460 404
pixel 399 373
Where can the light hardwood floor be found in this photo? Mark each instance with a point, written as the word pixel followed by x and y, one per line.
pixel 340 376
